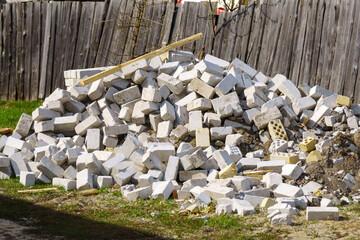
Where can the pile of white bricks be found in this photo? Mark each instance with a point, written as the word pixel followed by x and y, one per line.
pixel 97 135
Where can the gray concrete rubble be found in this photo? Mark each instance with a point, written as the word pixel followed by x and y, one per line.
pixel 188 128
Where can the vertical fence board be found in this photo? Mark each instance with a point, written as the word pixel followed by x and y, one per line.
pixel 27 50
pixel 144 30
pixel 83 40
pixel 342 42
pixel 50 61
pixel 352 67
pixel 72 33
pixel 270 37
pixel 309 42
pixel 2 84
pixel 329 42
pixel 281 60
pixel 153 41
pixel 243 31
pixel 203 25
pixel 107 33
pixel 320 14
pixel 220 29
pixel 59 46
pixel 35 50
pixel 13 52
pixel 167 24
pixel 45 48
pixel 178 15
pixel 96 32
pixel 130 26
pixel 190 28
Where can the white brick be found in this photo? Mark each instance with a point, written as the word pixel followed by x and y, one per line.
pixel 24 125
pixel 172 168
pixel 167 111
pixel 151 94
pixel 174 85
pixel 90 122
pixel 84 180
pixel 164 128
pixel 67 184
pixel 291 171
pixel 104 181
pixel 201 88
pixel 162 189
pixel 244 67
pixel 275 165
pixel 261 120
pixel 96 90
pixel 205 66
pixel 127 95
pixel 225 85
pixel 217 61
pixel 287 190
pixel 223 158
pixel 318 115
pixel 27 178
pixel 322 213
pixel 50 169
pixel 202 104
pixel 41 114
pixel 220 133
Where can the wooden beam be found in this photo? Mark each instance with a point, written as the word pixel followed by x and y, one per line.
pixel 147 56
pixel 37 190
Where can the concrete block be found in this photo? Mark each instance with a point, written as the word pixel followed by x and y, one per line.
pixel 79 93
pixel 215 192
pixel 234 153
pixel 44 126
pixel 104 181
pixel 212 119
pixel 244 67
pixel 195 121
pixel 130 144
pixel 322 213
pixel 182 115
pixel 59 158
pixel 202 88
pixel 84 180
pixel 67 184
pixel 222 158
pixel 304 103
pixel 151 94
pixel 96 90
pixel 70 173
pixel 228 172
pixel 234 139
pixel 127 95
pixel 24 124
pixel 243 207
pixel 287 190
pixel 3 140
pixel 41 114
pixel 167 111
pixel 261 120
pixel 272 180
pixel 290 90
pixel 123 177
pixel 162 189
pixel 210 79
pixel 202 104
pixel 316 92
pixel 150 160
pixel 275 165
pixel 225 85
pixel 74 106
pixel 205 66
pixel 27 178
pixel 349 181
pixel 112 162
pixel 50 169
pixel 164 129
pixel 291 171
pixel 217 61
pixel 289 158
pixel 193 174
pixel 220 133
pixel 172 168
pixel 278 146
pixel 249 115
pixel 63 124
pixel 223 209
pixel 318 115
pixel 173 84
pixel 93 140
pixel 247 164
pixel 90 122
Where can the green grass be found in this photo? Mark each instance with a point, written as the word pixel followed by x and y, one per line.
pixel 10 111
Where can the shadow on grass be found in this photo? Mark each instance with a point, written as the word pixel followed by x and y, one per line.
pixel 54 223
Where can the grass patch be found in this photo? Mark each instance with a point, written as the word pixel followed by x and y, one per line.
pixel 10 111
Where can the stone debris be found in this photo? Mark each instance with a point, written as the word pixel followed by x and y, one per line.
pixel 211 130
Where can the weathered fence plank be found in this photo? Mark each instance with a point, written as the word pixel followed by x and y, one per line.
pixel 28 50
pixel 35 50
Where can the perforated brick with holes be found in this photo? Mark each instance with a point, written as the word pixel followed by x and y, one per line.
pixel 308 144
pixel 277 130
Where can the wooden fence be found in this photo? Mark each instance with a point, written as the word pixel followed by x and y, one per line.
pixel 310 41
